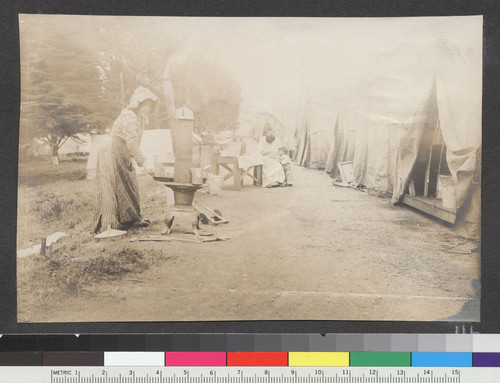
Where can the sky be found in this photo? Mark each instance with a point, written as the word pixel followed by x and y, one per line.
pixel 384 66
pixel 278 58
pixel 378 69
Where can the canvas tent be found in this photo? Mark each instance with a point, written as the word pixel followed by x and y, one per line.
pixel 314 135
pixel 408 97
pixel 414 164
pixel 38 147
pixel 156 145
pixel 80 144
pixel 341 148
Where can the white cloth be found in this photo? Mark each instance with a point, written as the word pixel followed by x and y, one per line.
pixel 272 170
pixel 249 160
pixel 269 150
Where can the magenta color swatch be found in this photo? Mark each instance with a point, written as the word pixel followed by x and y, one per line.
pixel 195 359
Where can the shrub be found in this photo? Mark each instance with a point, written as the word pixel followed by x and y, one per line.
pixel 50 207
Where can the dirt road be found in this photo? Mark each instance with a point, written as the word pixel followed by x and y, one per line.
pixel 311 251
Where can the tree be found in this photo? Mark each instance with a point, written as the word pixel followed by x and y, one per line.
pixel 58 85
pixel 78 72
pixel 134 52
pixel 210 90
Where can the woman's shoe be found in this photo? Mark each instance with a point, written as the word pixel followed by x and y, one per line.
pixel 273 185
pixel 142 223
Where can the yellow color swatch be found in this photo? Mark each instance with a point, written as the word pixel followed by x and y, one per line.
pixel 318 359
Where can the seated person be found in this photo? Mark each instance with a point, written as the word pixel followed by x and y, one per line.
pixel 272 172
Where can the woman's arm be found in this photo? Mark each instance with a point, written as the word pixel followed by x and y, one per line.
pixel 131 130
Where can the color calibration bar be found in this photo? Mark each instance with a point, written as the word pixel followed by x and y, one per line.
pixel 252 359
pixel 349 342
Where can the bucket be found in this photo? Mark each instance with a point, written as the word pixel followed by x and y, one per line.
pixel 196 177
pixel 215 183
pixel 447 192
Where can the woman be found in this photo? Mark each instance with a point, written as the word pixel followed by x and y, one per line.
pixel 117 189
pixel 273 174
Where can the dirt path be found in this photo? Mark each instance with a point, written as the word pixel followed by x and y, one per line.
pixel 311 251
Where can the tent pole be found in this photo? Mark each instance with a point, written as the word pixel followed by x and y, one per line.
pixel 428 168
pixel 439 167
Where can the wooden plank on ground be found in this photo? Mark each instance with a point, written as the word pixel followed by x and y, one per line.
pixel 211 215
pixel 426 205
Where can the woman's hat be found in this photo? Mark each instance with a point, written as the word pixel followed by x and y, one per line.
pixel 140 95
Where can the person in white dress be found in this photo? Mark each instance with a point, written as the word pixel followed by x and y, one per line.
pixel 273 174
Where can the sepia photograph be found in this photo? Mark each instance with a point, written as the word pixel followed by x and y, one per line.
pixel 249 169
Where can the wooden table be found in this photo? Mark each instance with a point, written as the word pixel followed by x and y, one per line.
pixel 232 166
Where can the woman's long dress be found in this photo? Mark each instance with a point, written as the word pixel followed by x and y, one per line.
pixel 117 188
pixel 272 170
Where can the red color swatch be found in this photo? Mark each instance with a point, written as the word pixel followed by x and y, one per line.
pixel 257 359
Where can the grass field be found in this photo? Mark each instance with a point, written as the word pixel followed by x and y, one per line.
pixel 59 198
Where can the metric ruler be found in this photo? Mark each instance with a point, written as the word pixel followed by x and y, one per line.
pixel 249 375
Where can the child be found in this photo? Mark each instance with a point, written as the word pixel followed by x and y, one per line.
pixel 286 162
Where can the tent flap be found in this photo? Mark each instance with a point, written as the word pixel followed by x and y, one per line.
pixel 336 150
pixel 415 145
pixel 465 166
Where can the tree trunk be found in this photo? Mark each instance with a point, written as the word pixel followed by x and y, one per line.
pixel 55 155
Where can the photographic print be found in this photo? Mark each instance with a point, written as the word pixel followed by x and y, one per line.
pixel 242 169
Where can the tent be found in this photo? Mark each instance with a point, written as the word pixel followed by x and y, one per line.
pixel 38 147
pixel 314 135
pixel 413 114
pixel 415 167
pixel 251 126
pixel 80 144
pixel 156 145
pixel 341 148
pixel 34 148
